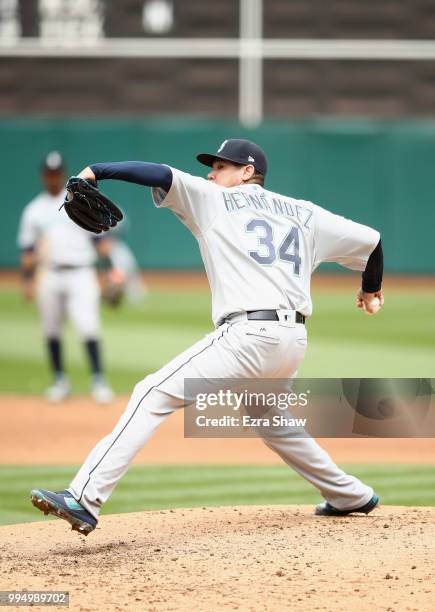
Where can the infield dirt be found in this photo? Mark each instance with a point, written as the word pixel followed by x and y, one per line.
pixel 241 558
pixel 245 558
pixel 37 432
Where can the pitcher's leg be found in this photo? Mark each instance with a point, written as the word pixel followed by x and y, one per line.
pixel 306 457
pixel 153 399
pixel 109 460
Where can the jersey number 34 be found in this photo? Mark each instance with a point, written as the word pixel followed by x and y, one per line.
pixel 287 251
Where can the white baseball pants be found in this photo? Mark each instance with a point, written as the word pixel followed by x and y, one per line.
pixel 72 294
pixel 238 350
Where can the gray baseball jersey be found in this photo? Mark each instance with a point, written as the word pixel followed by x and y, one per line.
pixel 259 247
pixel 59 241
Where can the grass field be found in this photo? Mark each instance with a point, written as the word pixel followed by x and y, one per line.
pixel 139 339
pixel 398 342
pixel 155 487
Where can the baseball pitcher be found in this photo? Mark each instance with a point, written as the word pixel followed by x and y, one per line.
pixel 259 250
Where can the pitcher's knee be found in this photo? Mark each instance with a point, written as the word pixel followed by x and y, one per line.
pixel 143 386
pixel 146 392
pixel 148 395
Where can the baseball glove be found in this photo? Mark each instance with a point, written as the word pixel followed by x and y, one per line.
pixel 113 290
pixel 88 207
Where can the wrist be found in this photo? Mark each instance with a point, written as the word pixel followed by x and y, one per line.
pixel 370 287
pixel 87 174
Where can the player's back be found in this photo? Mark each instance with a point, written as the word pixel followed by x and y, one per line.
pixel 258 252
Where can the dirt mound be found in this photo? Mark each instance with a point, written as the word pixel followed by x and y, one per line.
pixel 246 558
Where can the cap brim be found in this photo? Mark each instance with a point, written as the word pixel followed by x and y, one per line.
pixel 207 159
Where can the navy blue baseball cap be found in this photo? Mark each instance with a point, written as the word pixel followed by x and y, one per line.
pixel 238 151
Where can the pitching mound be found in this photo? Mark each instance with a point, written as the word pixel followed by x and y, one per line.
pixel 246 558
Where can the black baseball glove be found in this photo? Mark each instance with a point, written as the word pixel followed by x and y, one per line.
pixel 88 207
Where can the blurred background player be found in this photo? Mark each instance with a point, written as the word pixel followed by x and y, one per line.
pixel 121 277
pixel 57 263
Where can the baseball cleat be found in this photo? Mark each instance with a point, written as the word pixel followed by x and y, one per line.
pixel 101 392
pixel 59 391
pixel 64 506
pixel 325 508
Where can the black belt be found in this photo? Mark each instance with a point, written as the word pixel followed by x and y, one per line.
pixel 64 267
pixel 270 315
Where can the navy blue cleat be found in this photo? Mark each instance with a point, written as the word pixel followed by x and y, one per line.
pixel 64 506
pixel 325 508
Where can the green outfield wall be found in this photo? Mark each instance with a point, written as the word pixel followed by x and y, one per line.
pixel 381 173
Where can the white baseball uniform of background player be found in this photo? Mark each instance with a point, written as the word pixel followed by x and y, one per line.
pixel 259 249
pixel 66 282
